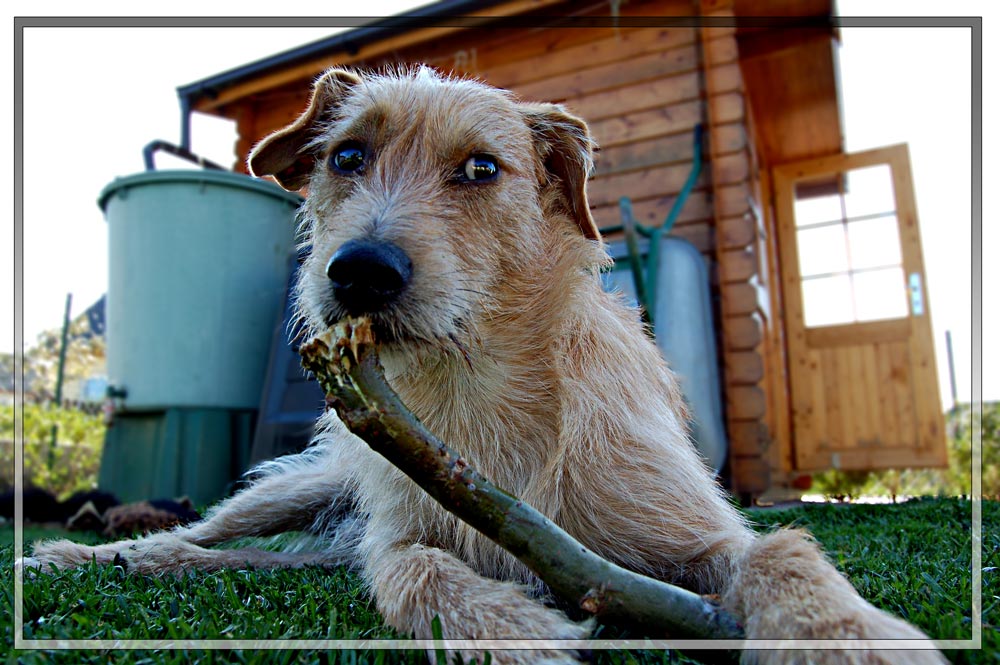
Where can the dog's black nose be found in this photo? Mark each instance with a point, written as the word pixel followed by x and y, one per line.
pixel 368 275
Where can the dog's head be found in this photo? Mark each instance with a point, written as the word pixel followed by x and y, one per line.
pixel 429 198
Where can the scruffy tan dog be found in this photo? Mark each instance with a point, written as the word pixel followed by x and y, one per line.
pixel 456 218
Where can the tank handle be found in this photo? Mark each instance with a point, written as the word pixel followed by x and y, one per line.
pixel 178 151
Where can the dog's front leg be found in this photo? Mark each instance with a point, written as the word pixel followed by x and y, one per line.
pixel 785 588
pixel 165 552
pixel 299 492
pixel 272 506
pixel 309 491
pixel 414 583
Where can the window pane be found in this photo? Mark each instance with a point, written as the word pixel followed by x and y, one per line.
pixel 880 294
pixel 822 250
pixel 874 243
pixel 827 301
pixel 817 209
pixel 868 191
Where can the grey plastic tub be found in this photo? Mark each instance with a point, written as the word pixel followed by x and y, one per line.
pixel 197 267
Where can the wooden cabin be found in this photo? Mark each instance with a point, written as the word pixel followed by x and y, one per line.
pixel 814 375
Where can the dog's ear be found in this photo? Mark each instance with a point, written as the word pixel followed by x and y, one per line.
pixel 280 155
pixel 567 151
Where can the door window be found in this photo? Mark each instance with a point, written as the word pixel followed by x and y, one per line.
pixel 850 259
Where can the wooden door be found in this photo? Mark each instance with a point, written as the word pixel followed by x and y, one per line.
pixel 864 385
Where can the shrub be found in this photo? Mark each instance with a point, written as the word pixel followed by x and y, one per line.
pixel 961 450
pixel 68 466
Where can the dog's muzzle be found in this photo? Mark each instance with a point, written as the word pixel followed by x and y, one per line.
pixel 367 275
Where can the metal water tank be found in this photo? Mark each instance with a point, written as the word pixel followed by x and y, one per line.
pixel 197 267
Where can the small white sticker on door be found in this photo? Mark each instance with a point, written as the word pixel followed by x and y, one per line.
pixel 916 295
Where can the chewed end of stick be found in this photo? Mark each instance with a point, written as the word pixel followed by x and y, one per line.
pixel 358 333
pixel 331 354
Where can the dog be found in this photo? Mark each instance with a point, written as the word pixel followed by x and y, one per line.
pixel 455 217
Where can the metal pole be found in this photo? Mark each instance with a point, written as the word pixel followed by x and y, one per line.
pixel 951 370
pixel 50 459
pixel 62 349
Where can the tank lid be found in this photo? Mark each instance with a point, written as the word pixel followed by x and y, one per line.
pixel 192 176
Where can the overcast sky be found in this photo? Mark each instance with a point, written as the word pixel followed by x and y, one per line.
pixel 93 97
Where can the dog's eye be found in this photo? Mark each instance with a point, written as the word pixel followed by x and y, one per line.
pixel 348 158
pixel 480 167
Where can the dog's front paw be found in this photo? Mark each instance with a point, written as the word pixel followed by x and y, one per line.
pixel 516 639
pixel 29 566
pixel 848 638
pixel 60 553
pixel 568 631
pixel 785 589
pixel 529 656
pixel 65 554
pixel 847 656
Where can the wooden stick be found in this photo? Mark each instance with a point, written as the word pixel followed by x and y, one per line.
pixel 348 369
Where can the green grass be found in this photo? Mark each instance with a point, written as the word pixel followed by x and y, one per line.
pixel 912 560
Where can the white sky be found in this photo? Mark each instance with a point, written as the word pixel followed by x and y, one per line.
pixel 93 97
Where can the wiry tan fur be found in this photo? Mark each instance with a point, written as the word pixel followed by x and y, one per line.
pixel 507 347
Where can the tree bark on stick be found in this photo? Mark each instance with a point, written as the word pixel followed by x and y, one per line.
pixel 347 366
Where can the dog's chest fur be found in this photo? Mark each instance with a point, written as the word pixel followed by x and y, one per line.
pixel 499 408
pixel 500 412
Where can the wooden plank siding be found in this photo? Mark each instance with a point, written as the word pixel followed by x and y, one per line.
pixel 640 91
pixel 737 254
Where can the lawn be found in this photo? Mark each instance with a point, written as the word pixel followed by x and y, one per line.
pixel 911 559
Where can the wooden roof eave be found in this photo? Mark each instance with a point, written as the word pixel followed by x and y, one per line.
pixel 213 94
pixel 793 85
